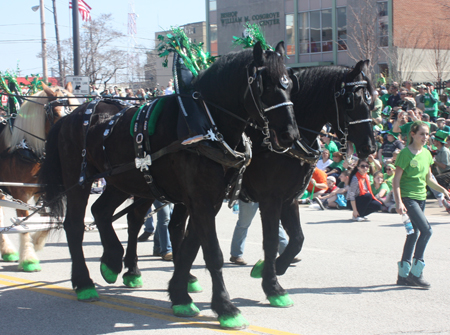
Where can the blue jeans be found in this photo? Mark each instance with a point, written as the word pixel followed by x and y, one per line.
pixel 247 212
pixel 161 240
pixel 149 227
pixel 420 223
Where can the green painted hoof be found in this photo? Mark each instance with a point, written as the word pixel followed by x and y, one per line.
pixel 257 269
pixel 233 321
pixel 108 275
pixel 281 301
pixel 14 257
pixel 87 294
pixel 133 281
pixel 194 287
pixel 30 266
pixel 188 310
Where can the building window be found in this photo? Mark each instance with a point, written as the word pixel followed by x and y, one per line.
pixel 315 31
pixel 213 37
pixel 212 5
pixel 383 23
pixel 342 28
pixel 290 34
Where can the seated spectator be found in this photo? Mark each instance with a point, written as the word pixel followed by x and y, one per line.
pixel 441 125
pixel 389 146
pixel 360 194
pixel 336 198
pixel 335 168
pixel 442 158
pixel 317 185
pixel 379 188
pixel 329 144
pixel 324 160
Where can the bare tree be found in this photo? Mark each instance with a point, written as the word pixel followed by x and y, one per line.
pixel 362 32
pixel 407 54
pixel 101 54
pixel 439 44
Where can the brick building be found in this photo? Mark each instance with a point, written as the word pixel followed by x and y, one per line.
pixel 404 38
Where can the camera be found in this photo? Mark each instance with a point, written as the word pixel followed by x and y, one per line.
pixel 405 106
pixel 394 114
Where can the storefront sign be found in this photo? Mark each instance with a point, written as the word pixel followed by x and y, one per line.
pixel 265 19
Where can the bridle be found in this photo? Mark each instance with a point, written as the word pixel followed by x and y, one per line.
pixel 49 107
pixel 347 92
pixel 255 84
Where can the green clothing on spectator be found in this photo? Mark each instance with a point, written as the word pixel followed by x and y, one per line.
pixel 384 98
pixel 388 179
pixel 378 106
pixel 339 165
pixel 331 147
pixel 383 186
pixel 431 103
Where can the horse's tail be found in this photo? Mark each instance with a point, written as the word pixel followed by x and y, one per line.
pixel 50 174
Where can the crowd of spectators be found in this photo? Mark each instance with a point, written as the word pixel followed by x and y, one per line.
pixel 394 109
pixel 135 96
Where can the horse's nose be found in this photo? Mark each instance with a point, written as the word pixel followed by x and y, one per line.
pixel 288 137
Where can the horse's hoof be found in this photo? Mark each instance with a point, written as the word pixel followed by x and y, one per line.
pixel 14 257
pixel 30 266
pixel 87 294
pixel 194 287
pixel 132 281
pixel 257 269
pixel 188 310
pixel 281 300
pixel 233 321
pixel 108 275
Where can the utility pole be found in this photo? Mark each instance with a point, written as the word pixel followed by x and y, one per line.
pixel 76 38
pixel 44 42
pixel 58 46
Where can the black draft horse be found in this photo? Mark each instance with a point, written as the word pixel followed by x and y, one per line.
pixel 185 176
pixel 332 94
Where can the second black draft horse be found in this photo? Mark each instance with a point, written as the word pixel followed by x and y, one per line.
pixel 337 95
pixel 252 84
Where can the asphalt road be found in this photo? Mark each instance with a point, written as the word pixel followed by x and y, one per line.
pixel 345 284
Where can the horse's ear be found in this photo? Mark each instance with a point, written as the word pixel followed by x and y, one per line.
pixel 359 67
pixel 258 54
pixel 280 49
pixel 69 87
pixel 48 91
pixel 294 75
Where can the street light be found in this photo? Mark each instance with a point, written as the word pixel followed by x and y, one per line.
pixel 44 40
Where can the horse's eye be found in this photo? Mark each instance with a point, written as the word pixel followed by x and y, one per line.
pixel 284 82
pixel 368 97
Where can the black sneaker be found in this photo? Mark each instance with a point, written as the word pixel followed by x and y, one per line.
pixel 317 200
pixel 144 237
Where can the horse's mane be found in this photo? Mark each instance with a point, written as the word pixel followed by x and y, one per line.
pixel 31 118
pixel 222 79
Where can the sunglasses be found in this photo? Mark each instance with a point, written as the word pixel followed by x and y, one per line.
pixel 388 169
pixel 364 166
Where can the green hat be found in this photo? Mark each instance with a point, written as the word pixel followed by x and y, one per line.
pixel 391 166
pixel 390 132
pixel 441 136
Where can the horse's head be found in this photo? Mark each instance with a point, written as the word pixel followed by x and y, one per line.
pixel 353 100
pixel 267 99
pixel 59 103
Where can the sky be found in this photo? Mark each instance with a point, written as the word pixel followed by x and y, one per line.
pixel 20 32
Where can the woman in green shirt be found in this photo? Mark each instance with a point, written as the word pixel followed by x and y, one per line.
pixel 412 175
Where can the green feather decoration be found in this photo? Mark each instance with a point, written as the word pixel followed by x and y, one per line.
pixel 252 34
pixel 194 58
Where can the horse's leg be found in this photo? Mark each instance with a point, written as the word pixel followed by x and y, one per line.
pixel 177 230
pixel 270 217
pixel 83 285
pixel 9 254
pixel 39 238
pixel 28 260
pixel 133 277
pixel 103 210
pixel 202 230
pixel 290 219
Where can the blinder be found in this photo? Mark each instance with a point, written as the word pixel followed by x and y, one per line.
pixel 294 79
